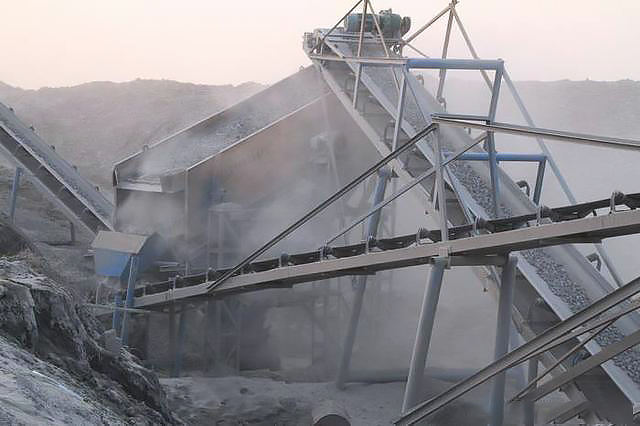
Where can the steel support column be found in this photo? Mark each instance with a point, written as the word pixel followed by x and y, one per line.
pixel 356 84
pixel 505 302
pixel 442 198
pixel 131 287
pixel 491 144
pixel 423 334
pixel 177 360
pixel 116 318
pixel 399 110
pixel 172 332
pixel 529 405
pixel 445 49
pixel 14 194
pixel 372 231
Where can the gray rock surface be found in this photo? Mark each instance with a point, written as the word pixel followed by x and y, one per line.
pixel 53 369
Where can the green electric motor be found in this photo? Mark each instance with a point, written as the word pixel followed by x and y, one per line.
pixel 392 25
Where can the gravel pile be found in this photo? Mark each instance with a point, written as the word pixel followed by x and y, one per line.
pixel 552 272
pixel 212 135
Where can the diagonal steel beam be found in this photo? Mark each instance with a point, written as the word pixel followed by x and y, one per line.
pixel 521 353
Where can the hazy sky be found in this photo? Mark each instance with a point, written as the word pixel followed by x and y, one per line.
pixel 66 42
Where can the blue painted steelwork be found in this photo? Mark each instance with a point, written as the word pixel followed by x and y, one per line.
pixel 455 64
pixel 124 256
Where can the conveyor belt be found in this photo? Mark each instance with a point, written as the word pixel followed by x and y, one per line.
pixel 551 227
pixel 78 199
pixel 561 275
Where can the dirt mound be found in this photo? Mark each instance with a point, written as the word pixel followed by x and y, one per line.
pixel 12 240
pixel 56 342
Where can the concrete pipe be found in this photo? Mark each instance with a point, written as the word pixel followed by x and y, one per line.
pixel 329 413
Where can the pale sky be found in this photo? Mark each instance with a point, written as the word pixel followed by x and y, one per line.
pixel 67 42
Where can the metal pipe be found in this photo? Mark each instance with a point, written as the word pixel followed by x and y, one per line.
pixel 428 24
pixel 399 110
pixel 177 362
pixel 454 64
pixel 522 353
pixel 406 187
pixel 362 24
pixel 172 332
pixel 416 50
pixel 491 146
pixel 323 205
pixel 356 84
pixel 14 194
pixel 352 328
pixel 116 318
pixel 505 304
pixel 423 334
pixel 442 198
pixel 515 129
pixel 533 382
pixel 556 171
pixel 445 49
pixel 537 191
pixel 529 406
pixel 472 50
pixel 321 42
pixel 377 23
pixel 501 156
pixel 131 287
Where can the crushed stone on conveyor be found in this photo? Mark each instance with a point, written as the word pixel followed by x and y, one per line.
pixel 204 140
pixel 71 178
pixel 551 271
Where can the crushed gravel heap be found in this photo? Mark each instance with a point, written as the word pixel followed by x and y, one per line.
pixel 210 136
pixel 54 368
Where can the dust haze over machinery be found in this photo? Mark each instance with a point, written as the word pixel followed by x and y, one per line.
pixel 192 214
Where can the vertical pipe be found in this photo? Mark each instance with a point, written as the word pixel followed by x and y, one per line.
pixel 445 49
pixel 147 336
pixel 206 346
pixel 356 85
pixel 537 190
pixel 172 331
pixel 491 145
pixel 400 110
pixel 131 287
pixel 529 404
pixel 14 194
pixel 116 319
pixel 352 328
pixel 423 334
pixel 442 201
pixel 217 337
pixel 505 302
pixel 177 360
